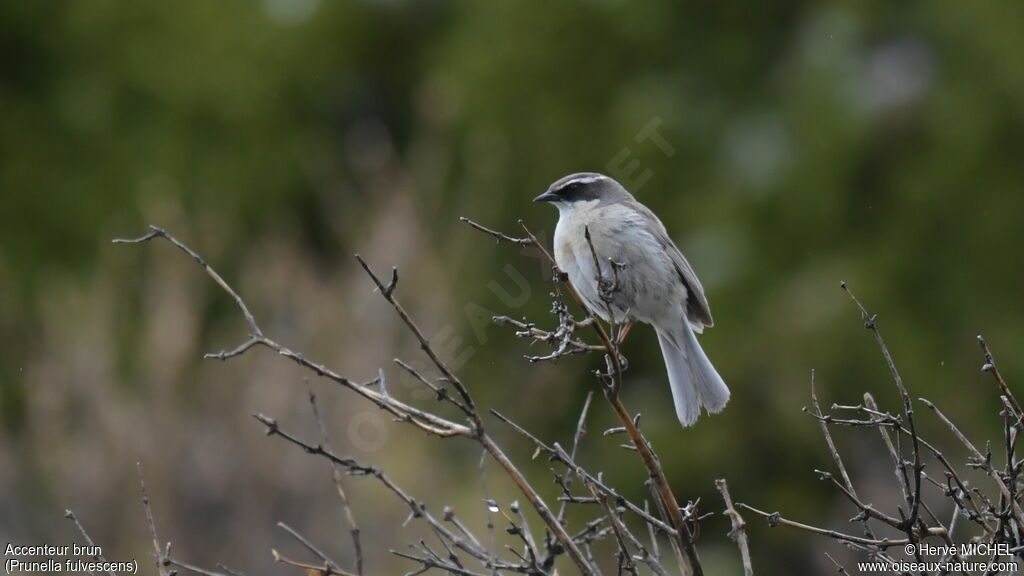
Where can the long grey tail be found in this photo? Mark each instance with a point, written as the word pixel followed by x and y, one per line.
pixel 694 381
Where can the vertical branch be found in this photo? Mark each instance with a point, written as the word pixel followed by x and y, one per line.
pixel 490 514
pixel 914 502
pixel 990 366
pixel 677 550
pixel 625 558
pixel 657 475
pixel 683 536
pixel 828 438
pixel 336 473
pixel 161 566
pixel 651 462
pixel 581 430
pixel 739 527
pixel 894 455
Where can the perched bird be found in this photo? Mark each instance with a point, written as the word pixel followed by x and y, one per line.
pixel 643 277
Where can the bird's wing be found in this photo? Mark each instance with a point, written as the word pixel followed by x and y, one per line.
pixel 697 310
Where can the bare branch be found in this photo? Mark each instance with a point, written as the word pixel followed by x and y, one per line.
pixel 991 367
pixel 328 563
pixel 336 473
pixel 999 520
pixel 739 526
pixel 193 568
pixel 557 453
pixel 839 567
pixel 775 519
pixel 828 440
pixel 326 570
pixel 88 540
pixel 416 508
pixel 467 405
pixel 426 421
pixel 161 233
pixel 581 430
pixel 914 501
pixel 498 235
pixel 981 461
pixel 161 567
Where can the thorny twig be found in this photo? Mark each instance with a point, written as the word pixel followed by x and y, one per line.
pixel 426 421
pixel 88 540
pixel 739 527
pixel 990 367
pixel 354 532
pixel 914 499
pixel 158 555
pixel 1000 519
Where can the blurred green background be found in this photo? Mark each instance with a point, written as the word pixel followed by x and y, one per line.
pixel 799 144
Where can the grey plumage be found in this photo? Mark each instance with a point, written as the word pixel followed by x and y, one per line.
pixel 656 284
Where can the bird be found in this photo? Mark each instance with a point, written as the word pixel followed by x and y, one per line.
pixel 620 259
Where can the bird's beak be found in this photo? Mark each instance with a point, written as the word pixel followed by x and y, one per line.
pixel 548 196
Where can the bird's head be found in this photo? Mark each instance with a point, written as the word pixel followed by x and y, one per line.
pixel 583 187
